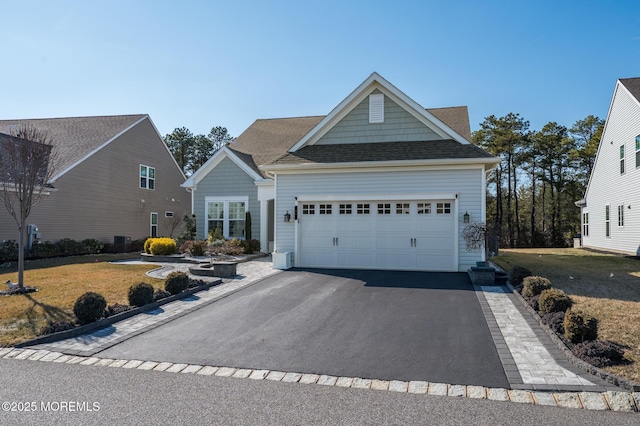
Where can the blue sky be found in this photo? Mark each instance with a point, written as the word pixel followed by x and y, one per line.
pixel 201 64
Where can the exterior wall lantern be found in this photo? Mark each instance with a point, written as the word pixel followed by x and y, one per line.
pixel 287 217
pixel 466 217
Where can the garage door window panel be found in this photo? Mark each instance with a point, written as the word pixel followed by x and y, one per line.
pixel 325 208
pixel 363 209
pixel 403 208
pixel 424 208
pixel 384 208
pixel 308 209
pixel 443 208
pixel 345 209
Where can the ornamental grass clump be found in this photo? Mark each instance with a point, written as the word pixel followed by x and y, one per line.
pixel 553 300
pixel 532 286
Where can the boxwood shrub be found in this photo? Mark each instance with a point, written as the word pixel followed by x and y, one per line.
pixel 89 307
pixel 554 300
pixel 140 294
pixel 579 327
pixel 518 274
pixel 176 282
pixel 161 246
pixel 532 286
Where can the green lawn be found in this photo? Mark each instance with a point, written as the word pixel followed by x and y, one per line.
pixel 587 277
pixel 60 282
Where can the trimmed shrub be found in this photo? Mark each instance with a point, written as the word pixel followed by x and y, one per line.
pixel 579 327
pixel 250 246
pixel 176 282
pixel 554 300
pixel 116 308
pixel 147 244
pixel 162 246
pixel 89 307
pixel 518 274
pixel 555 321
pixel 194 247
pixel 532 286
pixel 54 327
pixel 600 353
pixel 140 294
pixel 534 302
pixel 160 294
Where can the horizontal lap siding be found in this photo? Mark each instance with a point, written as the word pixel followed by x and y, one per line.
pixel 226 180
pixel 466 182
pixel 398 126
pixel 100 197
pixel 608 186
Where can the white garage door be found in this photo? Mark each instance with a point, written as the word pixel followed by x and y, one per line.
pixel 403 235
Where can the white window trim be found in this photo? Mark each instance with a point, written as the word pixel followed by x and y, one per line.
pixel 151 225
pixel 621 216
pixel 623 166
pixel 585 224
pixel 225 220
pixel 147 177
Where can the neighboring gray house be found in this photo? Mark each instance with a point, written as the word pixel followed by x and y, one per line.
pixel 379 182
pixel 611 206
pixel 115 177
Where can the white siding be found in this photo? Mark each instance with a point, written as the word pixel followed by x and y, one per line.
pixel 608 186
pixel 467 183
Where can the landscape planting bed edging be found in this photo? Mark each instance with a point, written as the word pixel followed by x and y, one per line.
pixel 77 331
pixel 591 369
pixel 585 366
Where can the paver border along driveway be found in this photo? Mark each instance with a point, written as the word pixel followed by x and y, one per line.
pixel 373 324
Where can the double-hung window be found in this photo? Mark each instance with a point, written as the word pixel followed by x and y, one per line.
pixel 621 216
pixel 228 215
pixel 147 177
pixel 621 159
pixel 607 223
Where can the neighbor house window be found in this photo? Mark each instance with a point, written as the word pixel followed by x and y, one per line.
pixel 154 225
pixel 147 177
pixel 637 151
pixel 424 208
pixel 443 208
pixel 168 214
pixel 621 159
pixel 308 209
pixel 607 227
pixel 585 224
pixel 228 215
pixel 621 215
pixel 384 208
pixel 402 208
pixel 345 209
pixel 363 209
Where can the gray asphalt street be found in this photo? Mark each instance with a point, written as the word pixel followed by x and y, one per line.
pixel 371 324
pixel 128 397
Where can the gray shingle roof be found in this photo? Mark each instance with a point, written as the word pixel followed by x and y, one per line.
pixel 632 85
pixel 267 141
pixel 384 151
pixel 76 137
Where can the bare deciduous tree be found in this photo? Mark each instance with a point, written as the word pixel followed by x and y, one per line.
pixel 27 164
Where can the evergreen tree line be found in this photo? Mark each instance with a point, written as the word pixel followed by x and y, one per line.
pixel 531 194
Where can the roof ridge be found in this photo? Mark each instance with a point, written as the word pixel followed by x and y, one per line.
pixel 67 118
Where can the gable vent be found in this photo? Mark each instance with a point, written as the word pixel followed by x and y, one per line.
pixel 376 108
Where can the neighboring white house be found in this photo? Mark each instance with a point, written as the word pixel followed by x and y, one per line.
pixel 380 182
pixel 611 206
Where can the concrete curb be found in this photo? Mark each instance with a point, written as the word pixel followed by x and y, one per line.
pixel 613 401
pixel 75 332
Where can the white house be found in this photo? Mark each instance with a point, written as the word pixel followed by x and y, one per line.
pixel 380 182
pixel 611 206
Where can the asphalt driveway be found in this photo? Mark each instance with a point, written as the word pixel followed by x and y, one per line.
pixel 370 324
